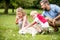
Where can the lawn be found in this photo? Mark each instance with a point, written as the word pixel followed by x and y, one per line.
pixel 9 30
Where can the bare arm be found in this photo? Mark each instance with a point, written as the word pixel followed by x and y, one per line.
pixel 31 24
pixel 16 21
pixel 24 21
pixel 57 16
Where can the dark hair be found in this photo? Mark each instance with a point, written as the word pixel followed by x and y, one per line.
pixel 44 1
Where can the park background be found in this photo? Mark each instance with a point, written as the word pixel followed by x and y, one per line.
pixel 8 28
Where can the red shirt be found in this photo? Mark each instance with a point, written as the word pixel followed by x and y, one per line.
pixel 41 18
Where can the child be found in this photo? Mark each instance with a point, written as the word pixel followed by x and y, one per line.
pixel 39 19
pixel 21 18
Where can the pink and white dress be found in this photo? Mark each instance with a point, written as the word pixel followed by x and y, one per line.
pixel 41 21
pixel 20 22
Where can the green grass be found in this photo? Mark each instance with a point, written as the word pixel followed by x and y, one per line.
pixel 9 30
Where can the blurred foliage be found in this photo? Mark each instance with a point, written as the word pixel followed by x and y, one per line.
pixel 57 2
pixel 27 4
pixel 22 3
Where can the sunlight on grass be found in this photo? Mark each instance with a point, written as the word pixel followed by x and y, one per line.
pixel 9 30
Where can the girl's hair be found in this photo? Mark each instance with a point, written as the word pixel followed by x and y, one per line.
pixel 19 9
pixel 33 12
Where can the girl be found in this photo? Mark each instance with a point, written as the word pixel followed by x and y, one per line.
pixel 21 18
pixel 39 20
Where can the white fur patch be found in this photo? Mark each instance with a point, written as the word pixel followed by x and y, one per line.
pixel 29 30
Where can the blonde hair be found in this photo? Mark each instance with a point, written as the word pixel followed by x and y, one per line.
pixel 20 10
pixel 33 12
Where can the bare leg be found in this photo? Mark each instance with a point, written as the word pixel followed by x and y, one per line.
pixel 51 24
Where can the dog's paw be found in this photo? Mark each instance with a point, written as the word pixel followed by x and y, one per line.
pixel 33 35
pixel 19 31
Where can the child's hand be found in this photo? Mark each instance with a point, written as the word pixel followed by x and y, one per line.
pixel 16 22
pixel 24 28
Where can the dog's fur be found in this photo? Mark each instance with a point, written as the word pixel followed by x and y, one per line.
pixel 29 30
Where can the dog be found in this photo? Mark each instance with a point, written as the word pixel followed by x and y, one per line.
pixel 29 30
pixel 32 31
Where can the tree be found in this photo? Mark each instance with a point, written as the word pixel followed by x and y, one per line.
pixel 7 2
pixel 57 2
pixel 5 5
pixel 36 4
pixel 16 3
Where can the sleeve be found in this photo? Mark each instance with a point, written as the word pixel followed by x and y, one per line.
pixel 36 19
pixel 57 9
pixel 43 14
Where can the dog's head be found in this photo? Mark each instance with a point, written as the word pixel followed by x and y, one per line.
pixel 22 31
